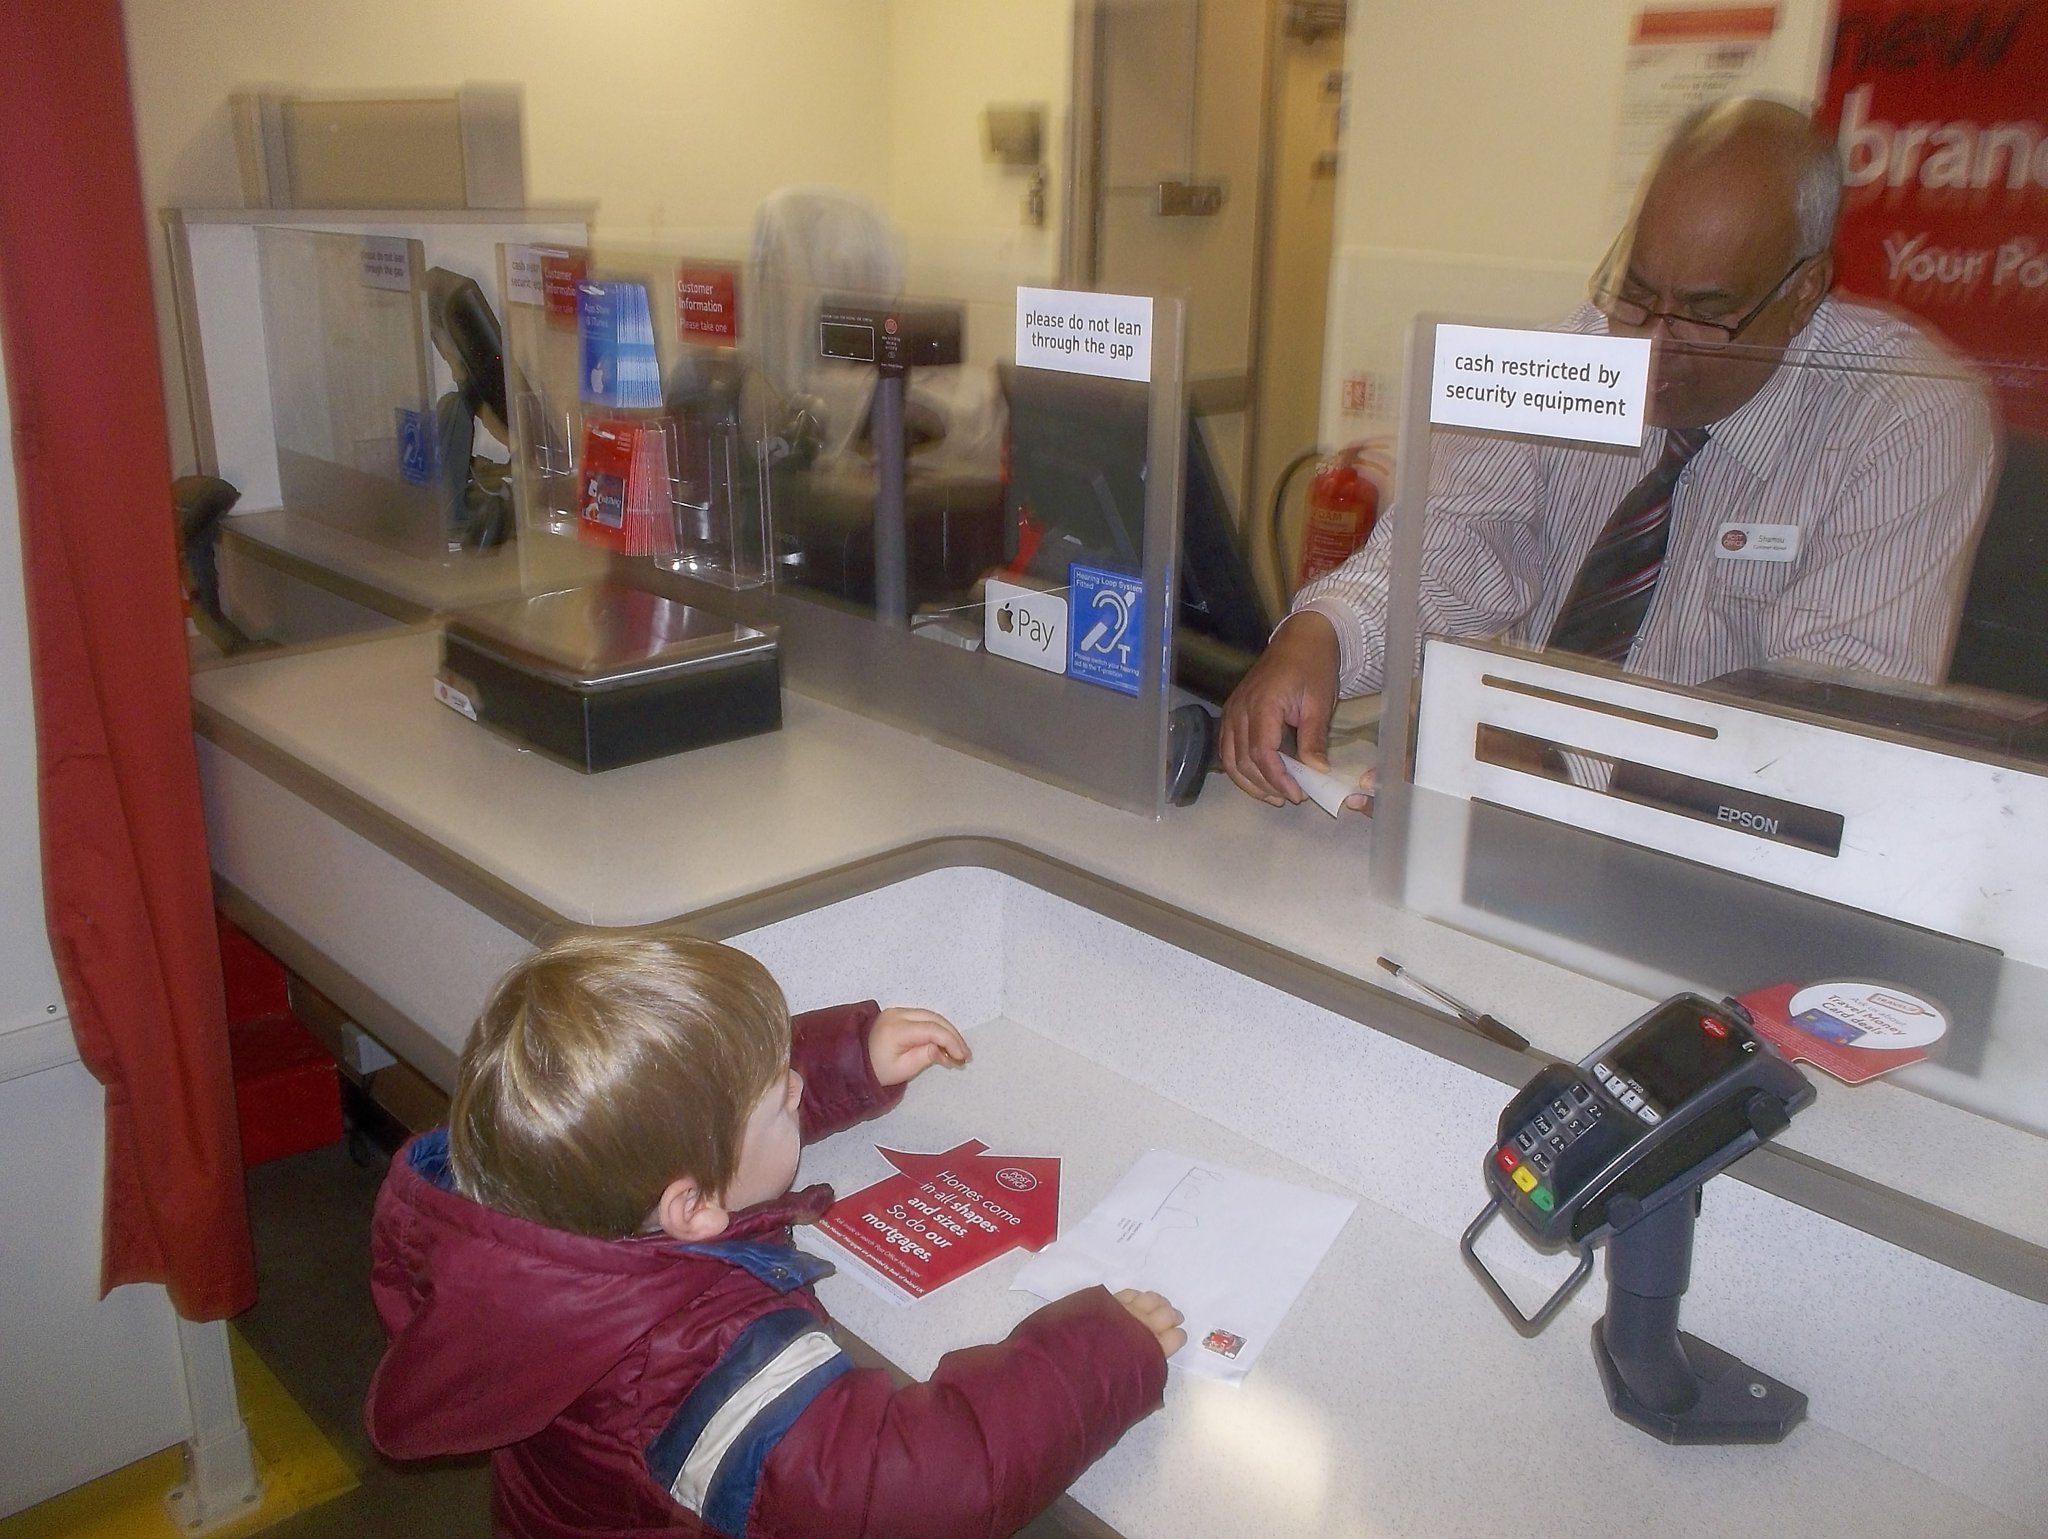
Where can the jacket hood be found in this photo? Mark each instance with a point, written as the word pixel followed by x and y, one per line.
pixel 497 1324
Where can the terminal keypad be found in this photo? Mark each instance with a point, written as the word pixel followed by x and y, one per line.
pixel 1529 1157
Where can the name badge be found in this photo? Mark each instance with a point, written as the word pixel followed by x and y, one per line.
pixel 1756 542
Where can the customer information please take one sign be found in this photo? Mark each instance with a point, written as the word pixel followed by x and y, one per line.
pixel 1548 384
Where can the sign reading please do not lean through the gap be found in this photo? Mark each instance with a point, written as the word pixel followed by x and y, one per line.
pixel 1107 335
pixel 1548 384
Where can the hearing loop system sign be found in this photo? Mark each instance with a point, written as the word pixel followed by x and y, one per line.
pixel 1107 622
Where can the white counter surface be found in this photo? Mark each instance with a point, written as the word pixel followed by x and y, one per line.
pixel 1393 1400
pixel 677 836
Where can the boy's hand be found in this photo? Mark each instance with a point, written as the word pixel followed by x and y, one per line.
pixel 1157 1316
pixel 903 1043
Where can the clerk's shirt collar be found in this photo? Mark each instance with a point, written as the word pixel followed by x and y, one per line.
pixel 1755 432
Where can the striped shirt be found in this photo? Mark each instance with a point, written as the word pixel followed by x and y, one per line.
pixel 1870 440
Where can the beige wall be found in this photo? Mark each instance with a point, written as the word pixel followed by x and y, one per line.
pixel 1476 161
pixel 960 213
pixel 948 61
pixel 1301 213
pixel 676 116
pixel 1479 148
pixel 1146 89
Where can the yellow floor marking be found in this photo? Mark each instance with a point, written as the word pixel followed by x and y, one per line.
pixel 300 1468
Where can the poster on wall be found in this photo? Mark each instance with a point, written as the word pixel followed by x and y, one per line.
pixel 1680 59
pixel 1940 109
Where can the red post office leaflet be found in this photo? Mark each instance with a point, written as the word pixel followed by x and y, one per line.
pixel 605 469
pixel 943 1215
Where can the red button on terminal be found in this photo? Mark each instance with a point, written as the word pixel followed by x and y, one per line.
pixel 1506 1159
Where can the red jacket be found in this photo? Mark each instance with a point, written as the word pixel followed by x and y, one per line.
pixel 639 1386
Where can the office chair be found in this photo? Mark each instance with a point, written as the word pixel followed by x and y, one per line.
pixel 2002 642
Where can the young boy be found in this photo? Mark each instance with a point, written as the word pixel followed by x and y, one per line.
pixel 589 1271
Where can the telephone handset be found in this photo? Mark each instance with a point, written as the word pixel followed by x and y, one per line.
pixel 1616 1148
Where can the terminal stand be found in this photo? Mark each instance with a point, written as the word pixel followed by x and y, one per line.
pixel 1667 1381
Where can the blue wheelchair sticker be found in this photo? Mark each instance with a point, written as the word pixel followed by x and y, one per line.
pixel 1106 627
pixel 416 446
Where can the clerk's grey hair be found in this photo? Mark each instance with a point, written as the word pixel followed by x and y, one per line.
pixel 1786 131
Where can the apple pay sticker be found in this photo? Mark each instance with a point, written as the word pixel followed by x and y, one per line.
pixel 1756 542
pixel 1026 626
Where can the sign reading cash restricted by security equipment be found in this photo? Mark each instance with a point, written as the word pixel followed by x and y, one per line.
pixel 524 284
pixel 1549 384
pixel 1107 335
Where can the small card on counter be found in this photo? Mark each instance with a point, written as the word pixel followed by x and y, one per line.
pixel 1229 1250
pixel 1853 1030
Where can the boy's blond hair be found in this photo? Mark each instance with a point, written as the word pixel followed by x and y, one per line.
pixel 603 1068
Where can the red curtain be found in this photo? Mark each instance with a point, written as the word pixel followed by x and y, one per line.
pixel 124 852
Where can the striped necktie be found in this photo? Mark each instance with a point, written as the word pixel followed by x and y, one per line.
pixel 1612 592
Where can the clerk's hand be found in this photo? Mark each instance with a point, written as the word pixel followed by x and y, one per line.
pixel 1368 784
pixel 903 1043
pixel 1157 1316
pixel 1293 684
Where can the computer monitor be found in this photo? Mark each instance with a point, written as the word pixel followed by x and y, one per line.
pixel 1076 492
pixel 467 336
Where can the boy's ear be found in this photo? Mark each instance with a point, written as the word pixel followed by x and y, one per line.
pixel 684 1213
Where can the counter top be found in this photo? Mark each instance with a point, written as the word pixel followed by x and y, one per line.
pixel 357 722
pixel 1392 1400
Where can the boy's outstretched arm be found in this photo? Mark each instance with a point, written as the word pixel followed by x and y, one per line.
pixel 978 1449
pixel 829 1048
pixel 907 1040
pixel 856 1059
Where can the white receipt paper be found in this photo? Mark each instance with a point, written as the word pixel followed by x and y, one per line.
pixel 1230 1251
pixel 1326 791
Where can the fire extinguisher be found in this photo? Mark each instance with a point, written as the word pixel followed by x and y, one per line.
pixel 1343 505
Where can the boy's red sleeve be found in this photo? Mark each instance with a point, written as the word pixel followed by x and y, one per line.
pixel 829 1048
pixel 980 1448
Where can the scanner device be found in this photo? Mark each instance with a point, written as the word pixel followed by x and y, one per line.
pixel 1616 1148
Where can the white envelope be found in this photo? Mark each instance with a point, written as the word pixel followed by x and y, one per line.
pixel 1231 1251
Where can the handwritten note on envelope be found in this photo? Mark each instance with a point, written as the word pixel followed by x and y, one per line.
pixel 1231 1251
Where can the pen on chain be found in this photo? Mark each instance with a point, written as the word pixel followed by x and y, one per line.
pixel 1485 1025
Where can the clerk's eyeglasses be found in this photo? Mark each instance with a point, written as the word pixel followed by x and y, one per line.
pixel 1631 313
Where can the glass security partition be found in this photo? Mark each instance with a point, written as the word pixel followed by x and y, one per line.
pixel 973 541
pixel 345 376
pixel 1801 733
pixel 345 321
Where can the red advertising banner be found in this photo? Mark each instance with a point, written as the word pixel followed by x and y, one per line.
pixel 707 305
pixel 1940 109
pixel 943 1215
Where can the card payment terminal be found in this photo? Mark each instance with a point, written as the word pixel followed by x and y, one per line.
pixel 1616 1148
